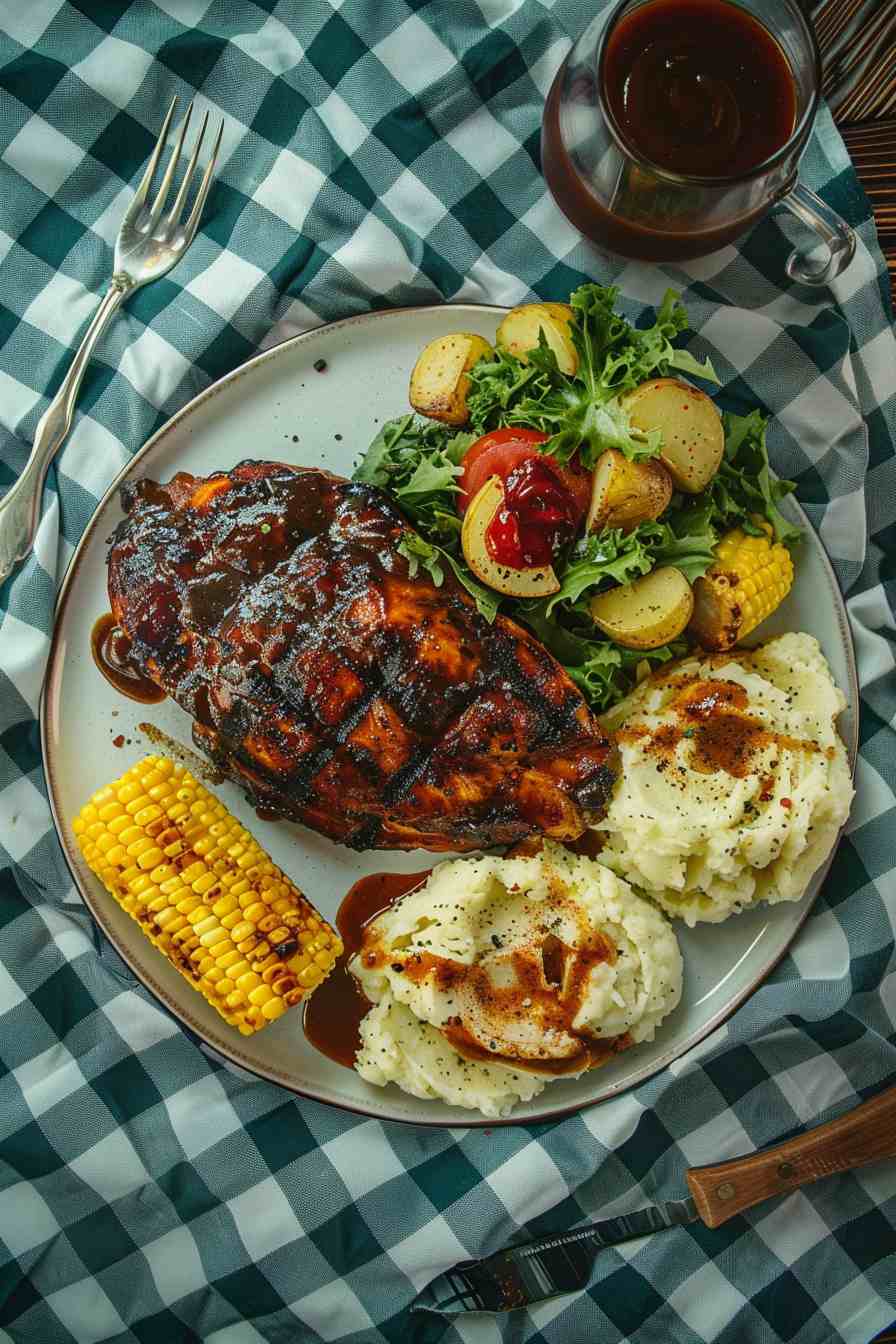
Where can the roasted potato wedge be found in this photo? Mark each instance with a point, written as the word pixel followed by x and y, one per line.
pixel 518 333
pixel 439 381
pixel 564 312
pixel 625 493
pixel 646 613
pixel 540 582
pixel 693 437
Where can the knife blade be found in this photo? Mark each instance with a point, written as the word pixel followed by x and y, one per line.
pixel 521 1275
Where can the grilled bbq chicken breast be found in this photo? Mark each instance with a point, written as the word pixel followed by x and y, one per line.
pixel 272 603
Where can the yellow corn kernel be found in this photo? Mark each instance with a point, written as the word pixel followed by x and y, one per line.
pixel 205 893
pixel 750 577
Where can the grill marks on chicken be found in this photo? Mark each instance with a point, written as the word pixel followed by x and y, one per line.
pixel 273 605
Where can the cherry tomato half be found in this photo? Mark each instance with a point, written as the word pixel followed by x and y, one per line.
pixel 502 450
pixel 495 454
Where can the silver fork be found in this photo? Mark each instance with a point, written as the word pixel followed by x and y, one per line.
pixel 149 243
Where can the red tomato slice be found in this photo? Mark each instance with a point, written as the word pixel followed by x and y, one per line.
pixel 499 460
pixel 501 451
pixel 495 454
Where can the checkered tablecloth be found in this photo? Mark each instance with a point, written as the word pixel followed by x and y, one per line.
pixel 381 152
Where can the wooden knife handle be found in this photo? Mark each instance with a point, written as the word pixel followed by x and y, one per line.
pixel 865 1134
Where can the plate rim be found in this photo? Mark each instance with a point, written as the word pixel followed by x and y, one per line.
pixel 231 1052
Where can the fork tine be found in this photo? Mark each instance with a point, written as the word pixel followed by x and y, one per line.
pixel 143 188
pixel 161 197
pixel 193 222
pixel 175 212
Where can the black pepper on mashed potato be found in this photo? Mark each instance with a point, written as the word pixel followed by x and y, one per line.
pixel 499 974
pixel 734 782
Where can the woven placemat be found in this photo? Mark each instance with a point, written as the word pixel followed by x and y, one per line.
pixel 858 48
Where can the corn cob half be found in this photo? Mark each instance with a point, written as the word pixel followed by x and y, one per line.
pixel 205 893
pixel 751 576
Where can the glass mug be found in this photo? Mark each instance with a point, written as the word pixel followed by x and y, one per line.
pixel 619 199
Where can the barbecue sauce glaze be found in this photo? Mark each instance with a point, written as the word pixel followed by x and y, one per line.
pixel 538 515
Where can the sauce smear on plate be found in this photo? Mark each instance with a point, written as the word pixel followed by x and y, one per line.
pixel 334 1011
pixel 111 651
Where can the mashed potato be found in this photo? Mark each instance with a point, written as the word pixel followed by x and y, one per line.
pixel 734 782
pixel 499 974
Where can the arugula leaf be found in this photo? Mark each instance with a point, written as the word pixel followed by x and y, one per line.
pixel 419 553
pixel 418 463
pixel 405 444
pixel 376 465
pixel 430 475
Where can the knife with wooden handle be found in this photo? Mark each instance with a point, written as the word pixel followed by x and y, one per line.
pixel 521 1275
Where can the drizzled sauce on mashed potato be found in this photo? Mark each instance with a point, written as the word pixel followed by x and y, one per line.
pixel 546 981
pixel 713 716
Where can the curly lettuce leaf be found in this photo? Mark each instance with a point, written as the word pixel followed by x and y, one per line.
pixel 608 672
pixel 613 556
pixel 684 538
pixel 601 556
pixel 505 391
pixel 616 356
pixel 546 400
pixel 744 486
pixel 584 414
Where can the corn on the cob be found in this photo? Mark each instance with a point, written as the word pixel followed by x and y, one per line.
pixel 205 893
pixel 751 576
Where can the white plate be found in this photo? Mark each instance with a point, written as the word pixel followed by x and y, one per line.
pixel 278 406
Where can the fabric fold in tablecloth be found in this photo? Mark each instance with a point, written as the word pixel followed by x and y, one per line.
pixel 378 152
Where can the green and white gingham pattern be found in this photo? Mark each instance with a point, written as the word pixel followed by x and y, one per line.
pixel 381 152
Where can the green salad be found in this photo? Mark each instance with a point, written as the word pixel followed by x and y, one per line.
pixel 583 413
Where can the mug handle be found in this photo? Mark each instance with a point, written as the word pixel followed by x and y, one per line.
pixel 830 228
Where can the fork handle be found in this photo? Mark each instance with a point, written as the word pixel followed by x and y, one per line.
pixel 865 1134
pixel 20 506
